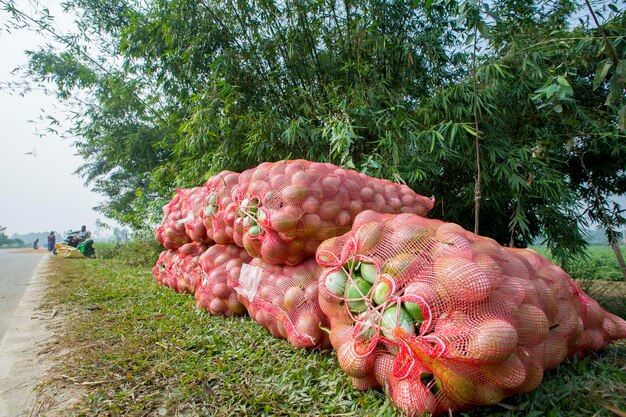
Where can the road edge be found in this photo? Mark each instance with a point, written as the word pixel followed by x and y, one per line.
pixel 20 365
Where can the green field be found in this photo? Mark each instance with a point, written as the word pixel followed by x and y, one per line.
pixel 137 349
pixel 598 263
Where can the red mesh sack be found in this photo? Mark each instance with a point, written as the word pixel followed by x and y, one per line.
pixel 214 292
pixel 192 212
pixel 184 274
pixel 286 209
pixel 284 300
pixel 447 319
pixel 219 209
pixel 171 233
pixel 163 266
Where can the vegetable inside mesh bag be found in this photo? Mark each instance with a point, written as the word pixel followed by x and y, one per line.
pixel 162 268
pixel 219 209
pixel 192 212
pixel 284 300
pixel 214 293
pixel 171 233
pixel 184 273
pixel 286 209
pixel 447 319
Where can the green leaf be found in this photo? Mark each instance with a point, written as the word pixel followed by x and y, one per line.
pixel 469 129
pixel 483 29
pixel 621 117
pixel 616 88
pixel 601 72
pixel 621 69
pixel 562 81
pixel 558 108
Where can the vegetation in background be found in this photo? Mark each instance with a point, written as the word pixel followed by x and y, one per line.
pixel 510 111
pixel 135 348
pixel 598 263
pixel 140 253
pixel 6 241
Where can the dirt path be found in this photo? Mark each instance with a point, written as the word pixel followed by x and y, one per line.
pixel 22 350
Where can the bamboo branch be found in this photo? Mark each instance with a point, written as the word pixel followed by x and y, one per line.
pixel 606 40
pixel 477 191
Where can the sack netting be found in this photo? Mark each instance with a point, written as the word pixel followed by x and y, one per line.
pixel 447 319
pixel 171 233
pixel 192 212
pixel 219 209
pixel 284 300
pixel 183 274
pixel 287 208
pixel 162 267
pixel 214 293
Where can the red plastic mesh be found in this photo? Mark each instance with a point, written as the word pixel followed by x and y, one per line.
pixel 171 233
pixel 161 269
pixel 284 300
pixel 219 210
pixel 192 212
pixel 448 319
pixel 184 274
pixel 214 293
pixel 286 209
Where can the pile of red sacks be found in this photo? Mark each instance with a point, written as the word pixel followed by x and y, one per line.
pixel 327 257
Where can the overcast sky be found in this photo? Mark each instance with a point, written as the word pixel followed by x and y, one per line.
pixel 39 192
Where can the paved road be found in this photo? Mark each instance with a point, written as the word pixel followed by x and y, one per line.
pixel 16 270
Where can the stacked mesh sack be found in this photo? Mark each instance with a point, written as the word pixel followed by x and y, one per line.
pixel 178 269
pixel 218 214
pixel 172 233
pixel 448 320
pixel 192 212
pixel 194 264
pixel 184 237
pixel 284 300
pixel 162 267
pixel 214 292
pixel 283 211
pixel 286 209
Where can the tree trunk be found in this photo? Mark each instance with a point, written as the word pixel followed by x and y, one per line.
pixel 618 255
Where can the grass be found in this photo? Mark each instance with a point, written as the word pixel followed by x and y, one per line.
pixel 599 275
pixel 598 264
pixel 137 349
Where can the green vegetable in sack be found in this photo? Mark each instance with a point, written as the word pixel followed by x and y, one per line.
pixel 336 282
pixel 357 291
pixel 368 272
pixel 393 319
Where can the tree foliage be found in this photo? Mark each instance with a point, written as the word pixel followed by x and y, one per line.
pixel 177 90
pixel 6 241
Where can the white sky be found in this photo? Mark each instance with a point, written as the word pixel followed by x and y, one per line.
pixel 38 193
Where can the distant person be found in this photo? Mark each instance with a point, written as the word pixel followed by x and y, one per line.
pixel 36 244
pixel 84 233
pixel 52 239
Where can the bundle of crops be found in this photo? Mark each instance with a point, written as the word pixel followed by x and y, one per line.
pixel 192 212
pixel 184 274
pixel 171 233
pixel 162 267
pixel 219 209
pixel 286 209
pixel 214 293
pixel 447 319
pixel 284 300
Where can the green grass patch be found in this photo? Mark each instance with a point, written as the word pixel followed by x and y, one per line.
pixel 138 349
pixel 598 263
pixel 134 253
